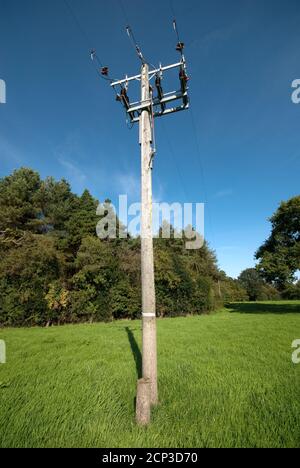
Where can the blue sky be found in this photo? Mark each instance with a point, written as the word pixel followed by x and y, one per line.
pixel 237 149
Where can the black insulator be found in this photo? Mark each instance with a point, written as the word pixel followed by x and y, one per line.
pixel 183 75
pixel 180 46
pixel 183 80
pixel 124 93
pixel 104 71
pixel 159 91
pixel 124 98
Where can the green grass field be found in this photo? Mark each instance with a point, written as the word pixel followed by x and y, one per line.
pixel 225 380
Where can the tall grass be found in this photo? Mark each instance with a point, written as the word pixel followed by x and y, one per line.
pixel 225 380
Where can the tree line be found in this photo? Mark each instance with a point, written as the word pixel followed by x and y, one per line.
pixel 55 270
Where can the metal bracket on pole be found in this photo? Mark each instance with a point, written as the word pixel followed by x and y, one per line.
pixel 159 102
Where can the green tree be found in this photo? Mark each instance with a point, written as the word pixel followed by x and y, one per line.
pixel 56 202
pixel 252 282
pixel 82 220
pixel 232 290
pixel 279 256
pixel 96 273
pixel 26 272
pixel 19 210
pixel 54 269
pixel 292 291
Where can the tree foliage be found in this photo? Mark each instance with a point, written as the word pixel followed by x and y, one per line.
pixel 256 287
pixel 279 256
pixel 54 269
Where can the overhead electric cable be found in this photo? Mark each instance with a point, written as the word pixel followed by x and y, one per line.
pixel 93 54
pixel 194 129
pixel 173 161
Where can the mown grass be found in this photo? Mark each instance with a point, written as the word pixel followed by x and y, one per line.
pixel 225 380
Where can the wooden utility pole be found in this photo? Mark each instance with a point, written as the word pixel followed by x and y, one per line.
pixel 144 111
pixel 147 264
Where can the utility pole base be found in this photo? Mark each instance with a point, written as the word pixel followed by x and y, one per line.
pixel 150 356
pixel 143 403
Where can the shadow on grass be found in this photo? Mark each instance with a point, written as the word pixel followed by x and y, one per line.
pixel 264 308
pixel 135 351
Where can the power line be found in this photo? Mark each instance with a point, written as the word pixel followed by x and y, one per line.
pixel 93 54
pixel 201 168
pixel 135 44
pixel 75 18
pixel 176 29
pixel 124 11
pixel 173 160
pixel 194 129
pixel 130 33
pixel 172 8
pixel 132 37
